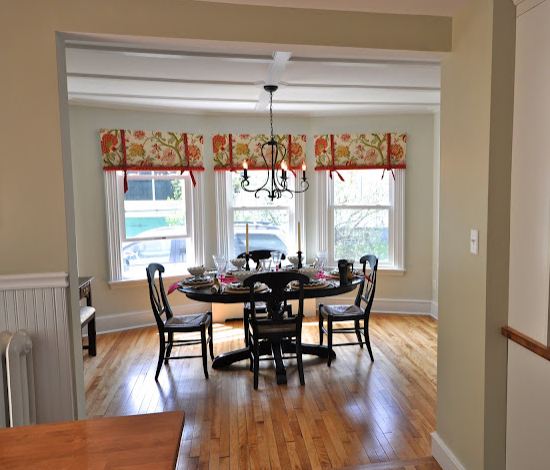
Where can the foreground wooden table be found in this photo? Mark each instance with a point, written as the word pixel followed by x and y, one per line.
pixel 142 442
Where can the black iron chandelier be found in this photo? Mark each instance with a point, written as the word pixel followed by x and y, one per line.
pixel 274 156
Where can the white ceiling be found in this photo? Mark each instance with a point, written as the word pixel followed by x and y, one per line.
pixel 214 81
pixel 408 7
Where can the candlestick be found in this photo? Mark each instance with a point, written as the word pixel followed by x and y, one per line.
pixel 300 265
pixel 245 169
pixel 299 238
pixel 246 239
pixel 304 171
pixel 247 258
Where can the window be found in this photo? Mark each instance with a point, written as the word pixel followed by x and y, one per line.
pixel 151 222
pixel 366 216
pixel 271 223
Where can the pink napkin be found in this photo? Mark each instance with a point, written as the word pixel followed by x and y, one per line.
pixel 227 279
pixel 173 287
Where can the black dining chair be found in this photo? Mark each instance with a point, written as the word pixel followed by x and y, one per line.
pixel 168 323
pixel 257 256
pixel 337 313
pixel 278 325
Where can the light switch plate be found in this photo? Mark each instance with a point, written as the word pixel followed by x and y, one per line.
pixel 474 241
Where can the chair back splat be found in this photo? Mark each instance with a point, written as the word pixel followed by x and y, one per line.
pixel 367 288
pixel 157 294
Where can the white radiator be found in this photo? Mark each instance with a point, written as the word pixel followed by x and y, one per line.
pixel 17 399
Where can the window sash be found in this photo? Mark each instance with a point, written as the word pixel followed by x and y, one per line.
pixel 152 177
pixel 396 224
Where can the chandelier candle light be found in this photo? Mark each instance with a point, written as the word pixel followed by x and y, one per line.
pixel 274 155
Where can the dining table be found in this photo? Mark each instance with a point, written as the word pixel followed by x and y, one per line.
pixel 225 296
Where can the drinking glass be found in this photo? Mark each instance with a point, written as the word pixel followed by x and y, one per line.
pixel 321 260
pixel 276 257
pixel 265 264
pixel 221 264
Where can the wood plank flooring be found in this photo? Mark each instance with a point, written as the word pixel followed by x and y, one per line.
pixel 356 414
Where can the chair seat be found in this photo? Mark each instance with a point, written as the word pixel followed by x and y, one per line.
pixel 86 314
pixel 192 322
pixel 342 312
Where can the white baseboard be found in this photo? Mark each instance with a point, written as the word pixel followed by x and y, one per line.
pixel 139 319
pixel 399 306
pixel 435 310
pixel 444 455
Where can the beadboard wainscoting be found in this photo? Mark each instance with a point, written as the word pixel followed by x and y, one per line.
pixel 37 303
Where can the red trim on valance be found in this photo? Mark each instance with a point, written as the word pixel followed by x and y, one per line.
pixel 124 158
pixel 154 168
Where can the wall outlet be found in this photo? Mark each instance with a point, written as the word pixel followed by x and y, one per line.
pixel 474 241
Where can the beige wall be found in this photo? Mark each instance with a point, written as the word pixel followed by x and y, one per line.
pixel 476 117
pixel 528 417
pixel 85 122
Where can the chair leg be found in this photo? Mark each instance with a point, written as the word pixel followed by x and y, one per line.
pixel 211 341
pixel 170 345
pixel 367 339
pixel 92 338
pixel 204 353
pixel 358 333
pixel 329 339
pixel 320 326
pixel 256 355
pixel 162 347
pixel 246 314
pixel 300 362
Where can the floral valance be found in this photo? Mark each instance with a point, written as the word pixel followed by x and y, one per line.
pixel 231 150
pixel 335 152
pixel 138 150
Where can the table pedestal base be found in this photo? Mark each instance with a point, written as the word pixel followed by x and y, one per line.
pixel 276 350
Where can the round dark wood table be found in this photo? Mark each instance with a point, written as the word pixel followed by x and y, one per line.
pixel 227 358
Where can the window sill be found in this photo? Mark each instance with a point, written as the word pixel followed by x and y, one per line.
pixel 388 271
pixel 141 282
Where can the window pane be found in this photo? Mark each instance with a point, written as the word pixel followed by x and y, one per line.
pixel 358 232
pixel 137 255
pixel 267 230
pixel 139 190
pixel 163 216
pixel 362 188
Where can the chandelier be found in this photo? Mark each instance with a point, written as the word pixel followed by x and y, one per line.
pixel 274 156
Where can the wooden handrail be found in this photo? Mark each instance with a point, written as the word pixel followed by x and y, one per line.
pixel 523 340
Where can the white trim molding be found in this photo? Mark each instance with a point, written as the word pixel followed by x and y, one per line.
pixel 142 318
pixel 435 310
pixel 523 6
pixel 33 281
pixel 444 455
pixel 380 305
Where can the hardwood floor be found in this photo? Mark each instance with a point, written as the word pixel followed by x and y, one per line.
pixel 356 414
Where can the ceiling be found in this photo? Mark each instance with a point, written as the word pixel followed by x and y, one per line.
pixel 212 81
pixel 410 7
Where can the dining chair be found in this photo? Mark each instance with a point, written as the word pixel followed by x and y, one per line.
pixel 168 323
pixel 256 256
pixel 337 313
pixel 278 325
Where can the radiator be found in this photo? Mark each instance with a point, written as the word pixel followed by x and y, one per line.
pixel 17 399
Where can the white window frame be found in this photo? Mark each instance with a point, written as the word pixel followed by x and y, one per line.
pixel 225 211
pixel 396 219
pixel 116 230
